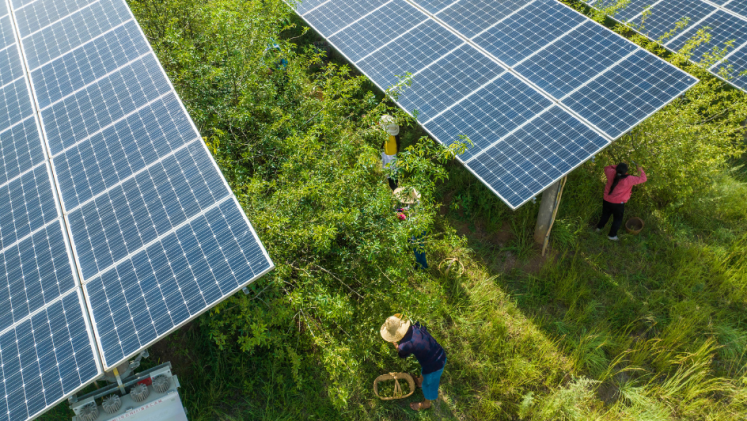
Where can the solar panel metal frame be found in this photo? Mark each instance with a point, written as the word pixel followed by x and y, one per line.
pixel 506 68
pixel 73 253
pixel 711 69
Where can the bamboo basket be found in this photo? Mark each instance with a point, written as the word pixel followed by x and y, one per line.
pixel 397 389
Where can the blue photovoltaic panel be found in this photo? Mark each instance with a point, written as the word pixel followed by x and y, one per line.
pixel 88 63
pixel 630 10
pixel 307 5
pixel 333 16
pixel 470 17
pixel 575 59
pixel 40 13
pixel 624 95
pixel 33 272
pixel 737 6
pixel 45 358
pixel 377 29
pixel 121 151
pixel 489 114
pixel 10 66
pixel 28 204
pixel 477 88
pixel 434 6
pixel 723 27
pixel 20 150
pixel 70 32
pixel 737 64
pixel 536 155
pixel 665 15
pixel 17 103
pixel 6 32
pixel 3 9
pixel 133 172
pixel 173 280
pixel 528 30
pixel 448 80
pixel 103 102
pixel 128 216
pixel 409 53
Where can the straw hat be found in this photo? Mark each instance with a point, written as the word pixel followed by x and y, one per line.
pixel 388 123
pixel 407 195
pixel 394 328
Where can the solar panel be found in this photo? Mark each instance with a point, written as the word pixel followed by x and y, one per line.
pixel 494 71
pixel 146 207
pixel 724 20
pixel 47 350
pixel 105 180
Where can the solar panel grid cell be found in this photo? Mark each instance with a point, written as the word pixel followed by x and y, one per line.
pixel 7 37
pixel 15 97
pixel 102 103
pixel 470 17
pixel 45 358
pixel 89 62
pixel 528 30
pixel 72 31
pixel 409 53
pixel 115 154
pixel 377 29
pixel 489 114
pixel 10 66
pixel 41 13
pixel 623 95
pixel 20 150
pixel 535 155
pixel 736 64
pixel 723 26
pixel 28 205
pixel 737 6
pixel 434 6
pixel 574 59
pixel 626 10
pixel 447 81
pixel 173 279
pixel 33 273
pixel 334 15
pixel 665 15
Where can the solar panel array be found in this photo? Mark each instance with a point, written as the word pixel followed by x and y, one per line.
pixel 537 87
pixel 116 225
pixel 725 20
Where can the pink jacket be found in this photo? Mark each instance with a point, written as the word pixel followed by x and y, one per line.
pixel 624 187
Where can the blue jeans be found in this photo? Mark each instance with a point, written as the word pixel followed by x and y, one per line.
pixel 431 381
pixel 418 248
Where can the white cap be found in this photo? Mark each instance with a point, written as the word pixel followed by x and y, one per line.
pixel 387 123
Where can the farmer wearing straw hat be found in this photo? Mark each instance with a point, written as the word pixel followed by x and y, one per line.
pixel 390 146
pixel 414 339
pixel 408 197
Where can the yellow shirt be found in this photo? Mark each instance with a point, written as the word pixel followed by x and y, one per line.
pixel 390 146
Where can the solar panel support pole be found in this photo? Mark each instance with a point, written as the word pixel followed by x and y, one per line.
pixel 547 212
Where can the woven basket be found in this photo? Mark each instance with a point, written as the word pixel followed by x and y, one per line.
pixel 447 265
pixel 397 390
pixel 634 225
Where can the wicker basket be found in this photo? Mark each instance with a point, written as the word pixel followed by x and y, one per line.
pixel 397 390
pixel 634 225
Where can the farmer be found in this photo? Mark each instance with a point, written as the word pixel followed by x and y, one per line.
pixel 616 193
pixel 390 146
pixel 415 339
pixel 408 198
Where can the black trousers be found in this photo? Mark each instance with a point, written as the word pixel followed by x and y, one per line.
pixel 616 211
pixel 392 183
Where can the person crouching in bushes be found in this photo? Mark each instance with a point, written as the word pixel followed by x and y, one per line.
pixel 616 192
pixel 414 339
pixel 408 198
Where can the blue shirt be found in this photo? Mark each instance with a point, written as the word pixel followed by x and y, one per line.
pixel 419 342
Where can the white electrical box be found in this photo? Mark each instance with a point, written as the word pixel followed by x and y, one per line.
pixel 149 396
